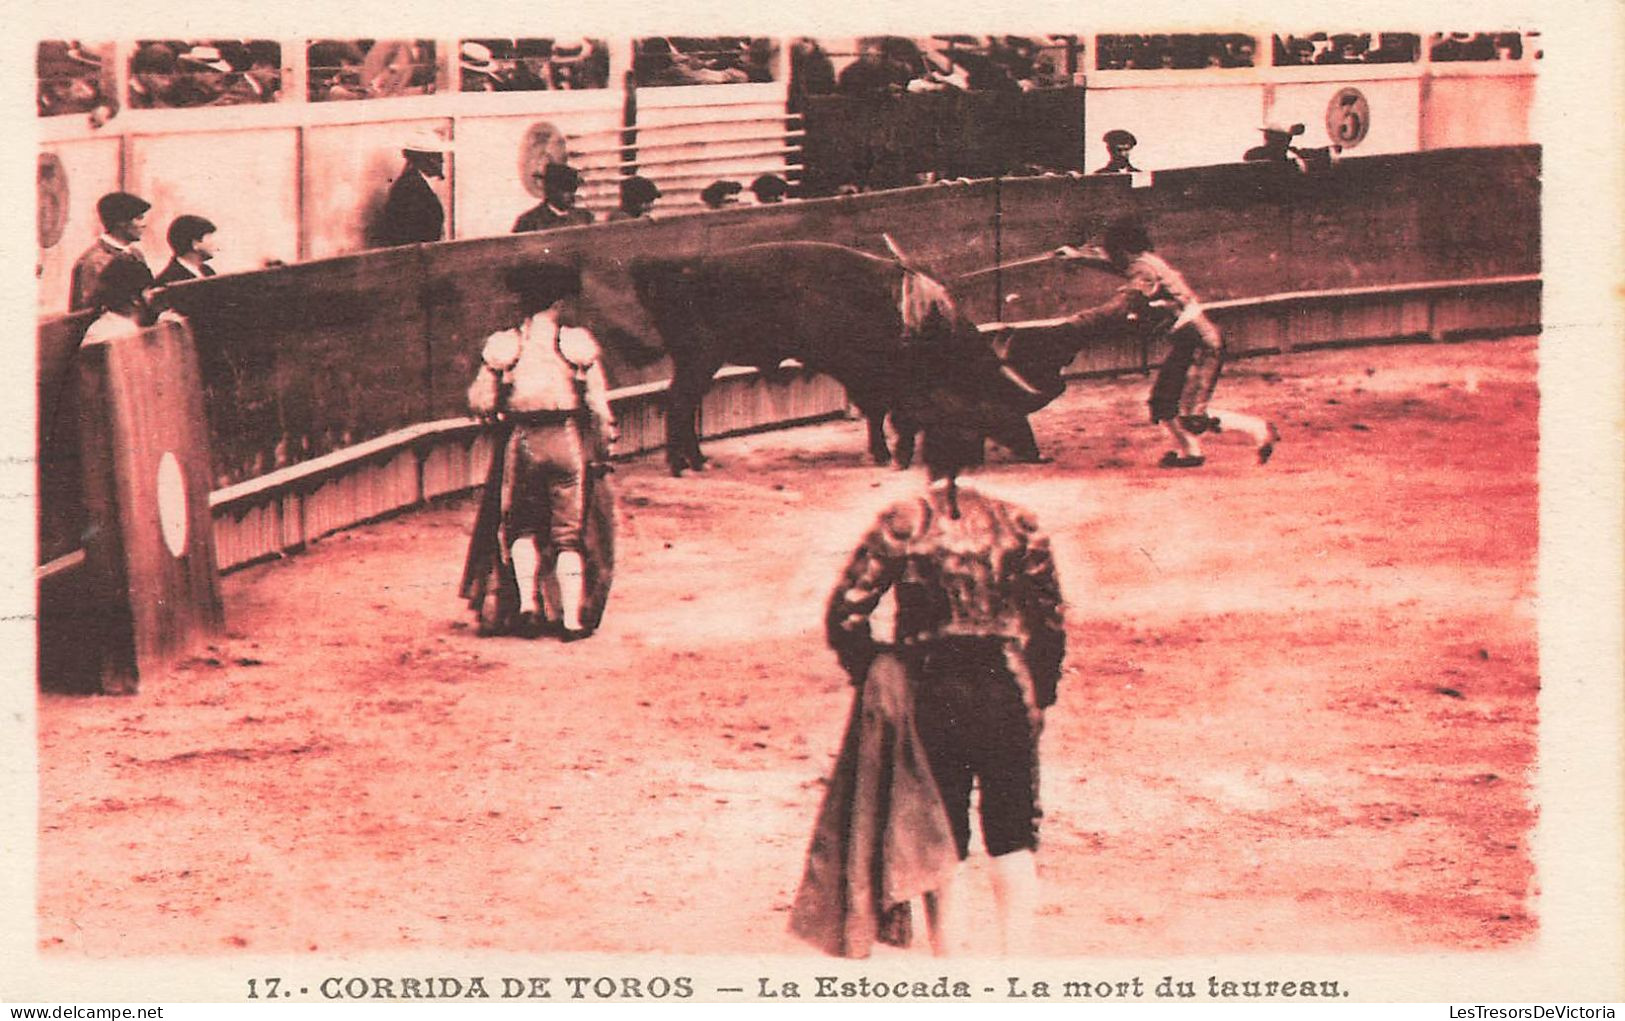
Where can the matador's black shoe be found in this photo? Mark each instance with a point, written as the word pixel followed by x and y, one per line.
pixel 1174 459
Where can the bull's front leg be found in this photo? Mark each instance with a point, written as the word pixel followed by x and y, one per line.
pixel 681 442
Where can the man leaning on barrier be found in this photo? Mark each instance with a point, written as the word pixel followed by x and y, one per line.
pixel 124 221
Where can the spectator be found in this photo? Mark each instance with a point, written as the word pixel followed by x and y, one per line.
pixel 638 195
pixel 191 242
pixel 261 78
pixel 1277 147
pixel 560 182
pixel 769 189
pixel 1119 144
pixel 412 212
pixel 479 69
pixel 152 70
pixel 335 71
pixel 719 194
pixel 124 220
pixel 811 73
pixel 200 78
pixel 886 64
pixel 121 297
pixel 70 79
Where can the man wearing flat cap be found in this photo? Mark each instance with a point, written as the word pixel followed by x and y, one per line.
pixel 412 212
pixel 719 194
pixel 1119 144
pixel 558 206
pixel 124 220
pixel 638 195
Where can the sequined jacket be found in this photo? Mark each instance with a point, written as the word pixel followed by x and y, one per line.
pixel 983 572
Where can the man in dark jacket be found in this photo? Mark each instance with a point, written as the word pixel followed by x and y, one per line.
pixel 980 625
pixel 124 221
pixel 412 212
pixel 191 241
pixel 1119 145
pixel 638 195
pixel 560 183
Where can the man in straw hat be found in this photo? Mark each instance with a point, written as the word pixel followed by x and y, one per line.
pixel 412 212
pixel 980 628
pixel 560 182
pixel 1277 147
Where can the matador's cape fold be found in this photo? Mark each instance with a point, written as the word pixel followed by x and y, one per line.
pixel 882 837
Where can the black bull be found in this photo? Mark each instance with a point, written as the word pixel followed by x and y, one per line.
pixel 888 334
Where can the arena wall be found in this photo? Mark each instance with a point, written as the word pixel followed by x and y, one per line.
pixel 333 389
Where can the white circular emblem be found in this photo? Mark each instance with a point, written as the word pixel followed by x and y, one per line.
pixel 172 503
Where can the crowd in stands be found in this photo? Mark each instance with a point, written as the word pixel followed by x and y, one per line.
pixel 167 73
pixel 341 69
pixel 1174 51
pixel 895 64
pixel 1346 48
pixel 180 73
pixel 722 60
pixel 533 65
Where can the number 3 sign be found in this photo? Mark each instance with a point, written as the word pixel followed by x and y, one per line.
pixel 1348 118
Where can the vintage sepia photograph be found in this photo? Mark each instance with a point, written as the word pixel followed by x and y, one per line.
pixel 1040 507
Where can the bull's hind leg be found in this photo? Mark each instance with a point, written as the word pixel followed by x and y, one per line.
pixel 682 419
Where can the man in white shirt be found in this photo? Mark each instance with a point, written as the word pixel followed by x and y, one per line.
pixel 122 297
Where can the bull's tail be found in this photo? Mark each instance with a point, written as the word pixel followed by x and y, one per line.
pixel 922 302
pixel 921 299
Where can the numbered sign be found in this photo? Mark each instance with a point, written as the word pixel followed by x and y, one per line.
pixel 1348 118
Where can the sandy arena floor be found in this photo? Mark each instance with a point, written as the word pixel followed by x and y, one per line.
pixel 1299 712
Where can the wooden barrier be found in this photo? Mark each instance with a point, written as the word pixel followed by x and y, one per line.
pixel 281 512
pixel 285 510
pixel 332 390
pixel 145 590
pixel 304 360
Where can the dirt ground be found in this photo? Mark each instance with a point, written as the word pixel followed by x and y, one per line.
pixel 1299 712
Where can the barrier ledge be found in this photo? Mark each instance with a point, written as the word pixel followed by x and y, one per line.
pixel 317 469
